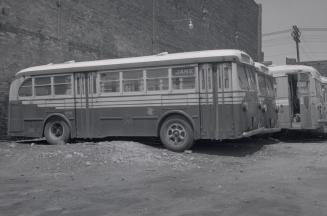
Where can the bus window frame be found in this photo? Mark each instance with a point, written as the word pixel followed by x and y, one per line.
pixel 196 87
pixel 20 85
pixel 119 93
pixel 156 92
pixel 71 83
pixel 143 92
pixel 51 87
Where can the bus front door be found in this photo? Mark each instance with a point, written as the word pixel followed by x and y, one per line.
pixel 85 89
pixel 303 93
pixel 208 103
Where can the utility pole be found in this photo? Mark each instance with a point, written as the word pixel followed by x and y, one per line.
pixel 296 34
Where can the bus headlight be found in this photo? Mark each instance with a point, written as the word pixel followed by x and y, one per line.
pixel 260 106
pixel 245 106
pixel 264 108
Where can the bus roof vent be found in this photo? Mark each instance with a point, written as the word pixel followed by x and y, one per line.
pixel 162 54
pixel 69 62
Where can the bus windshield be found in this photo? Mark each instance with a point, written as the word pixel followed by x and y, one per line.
pixel 246 77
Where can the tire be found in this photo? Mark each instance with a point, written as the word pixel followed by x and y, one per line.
pixel 176 134
pixel 56 131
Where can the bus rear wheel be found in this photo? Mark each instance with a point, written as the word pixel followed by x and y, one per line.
pixel 176 134
pixel 56 131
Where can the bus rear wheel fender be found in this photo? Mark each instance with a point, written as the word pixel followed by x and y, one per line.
pixel 56 130
pixel 176 133
pixel 177 114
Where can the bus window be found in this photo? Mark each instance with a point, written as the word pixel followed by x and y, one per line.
pixel 25 89
pixel 183 78
pixel 262 85
pixel 270 87
pixel 251 78
pixel 133 81
pixel 242 78
pixel 109 82
pixel 62 85
pixel 227 71
pixel 42 86
pixel 157 79
pixel 93 83
pixel 318 88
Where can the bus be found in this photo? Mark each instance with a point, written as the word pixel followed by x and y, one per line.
pixel 180 98
pixel 299 97
pixel 267 109
pixel 323 121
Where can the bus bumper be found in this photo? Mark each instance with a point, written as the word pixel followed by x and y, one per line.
pixel 260 131
pixel 252 132
pixel 271 130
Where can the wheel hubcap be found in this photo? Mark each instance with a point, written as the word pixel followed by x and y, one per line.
pixel 57 130
pixel 176 134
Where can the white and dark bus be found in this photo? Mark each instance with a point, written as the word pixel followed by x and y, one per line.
pixel 179 97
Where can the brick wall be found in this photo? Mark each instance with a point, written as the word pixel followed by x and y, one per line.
pixel 34 32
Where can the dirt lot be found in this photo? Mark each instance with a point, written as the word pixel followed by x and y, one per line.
pixel 248 177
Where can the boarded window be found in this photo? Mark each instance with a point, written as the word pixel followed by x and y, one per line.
pixel 109 82
pixel 25 89
pixel 42 86
pixel 62 85
pixel 157 79
pixel 183 78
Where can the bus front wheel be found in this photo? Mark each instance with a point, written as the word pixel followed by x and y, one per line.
pixel 56 131
pixel 176 134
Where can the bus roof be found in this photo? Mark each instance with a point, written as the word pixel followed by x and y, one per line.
pixel 283 70
pixel 323 79
pixel 162 59
pixel 261 67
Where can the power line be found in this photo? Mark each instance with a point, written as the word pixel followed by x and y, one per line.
pixel 276 33
pixel 289 30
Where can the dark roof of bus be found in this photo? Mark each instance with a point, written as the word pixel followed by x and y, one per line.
pixel 162 59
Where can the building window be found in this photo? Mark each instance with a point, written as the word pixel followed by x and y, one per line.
pixel 133 81
pixel 62 85
pixel 42 86
pixel 109 82
pixel 183 78
pixel 25 89
pixel 157 79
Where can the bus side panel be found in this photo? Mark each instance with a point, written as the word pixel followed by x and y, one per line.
pixel 15 118
pixel 226 121
pixel 136 121
pixel 282 100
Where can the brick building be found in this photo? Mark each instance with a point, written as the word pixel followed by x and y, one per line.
pixel 35 32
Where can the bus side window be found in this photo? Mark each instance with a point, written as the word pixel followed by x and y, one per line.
pixel 183 78
pixel 133 81
pixel 42 86
pixel 203 78
pixel 227 69
pixel 62 85
pixel 157 79
pixel 25 89
pixel 109 82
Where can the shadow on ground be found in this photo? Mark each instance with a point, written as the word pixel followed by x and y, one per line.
pixel 235 148
pixel 300 136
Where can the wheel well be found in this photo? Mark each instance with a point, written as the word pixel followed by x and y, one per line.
pixel 178 115
pixel 56 116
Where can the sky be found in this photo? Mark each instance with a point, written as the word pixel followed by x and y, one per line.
pixel 278 15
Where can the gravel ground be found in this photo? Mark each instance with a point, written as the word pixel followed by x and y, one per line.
pixel 247 177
